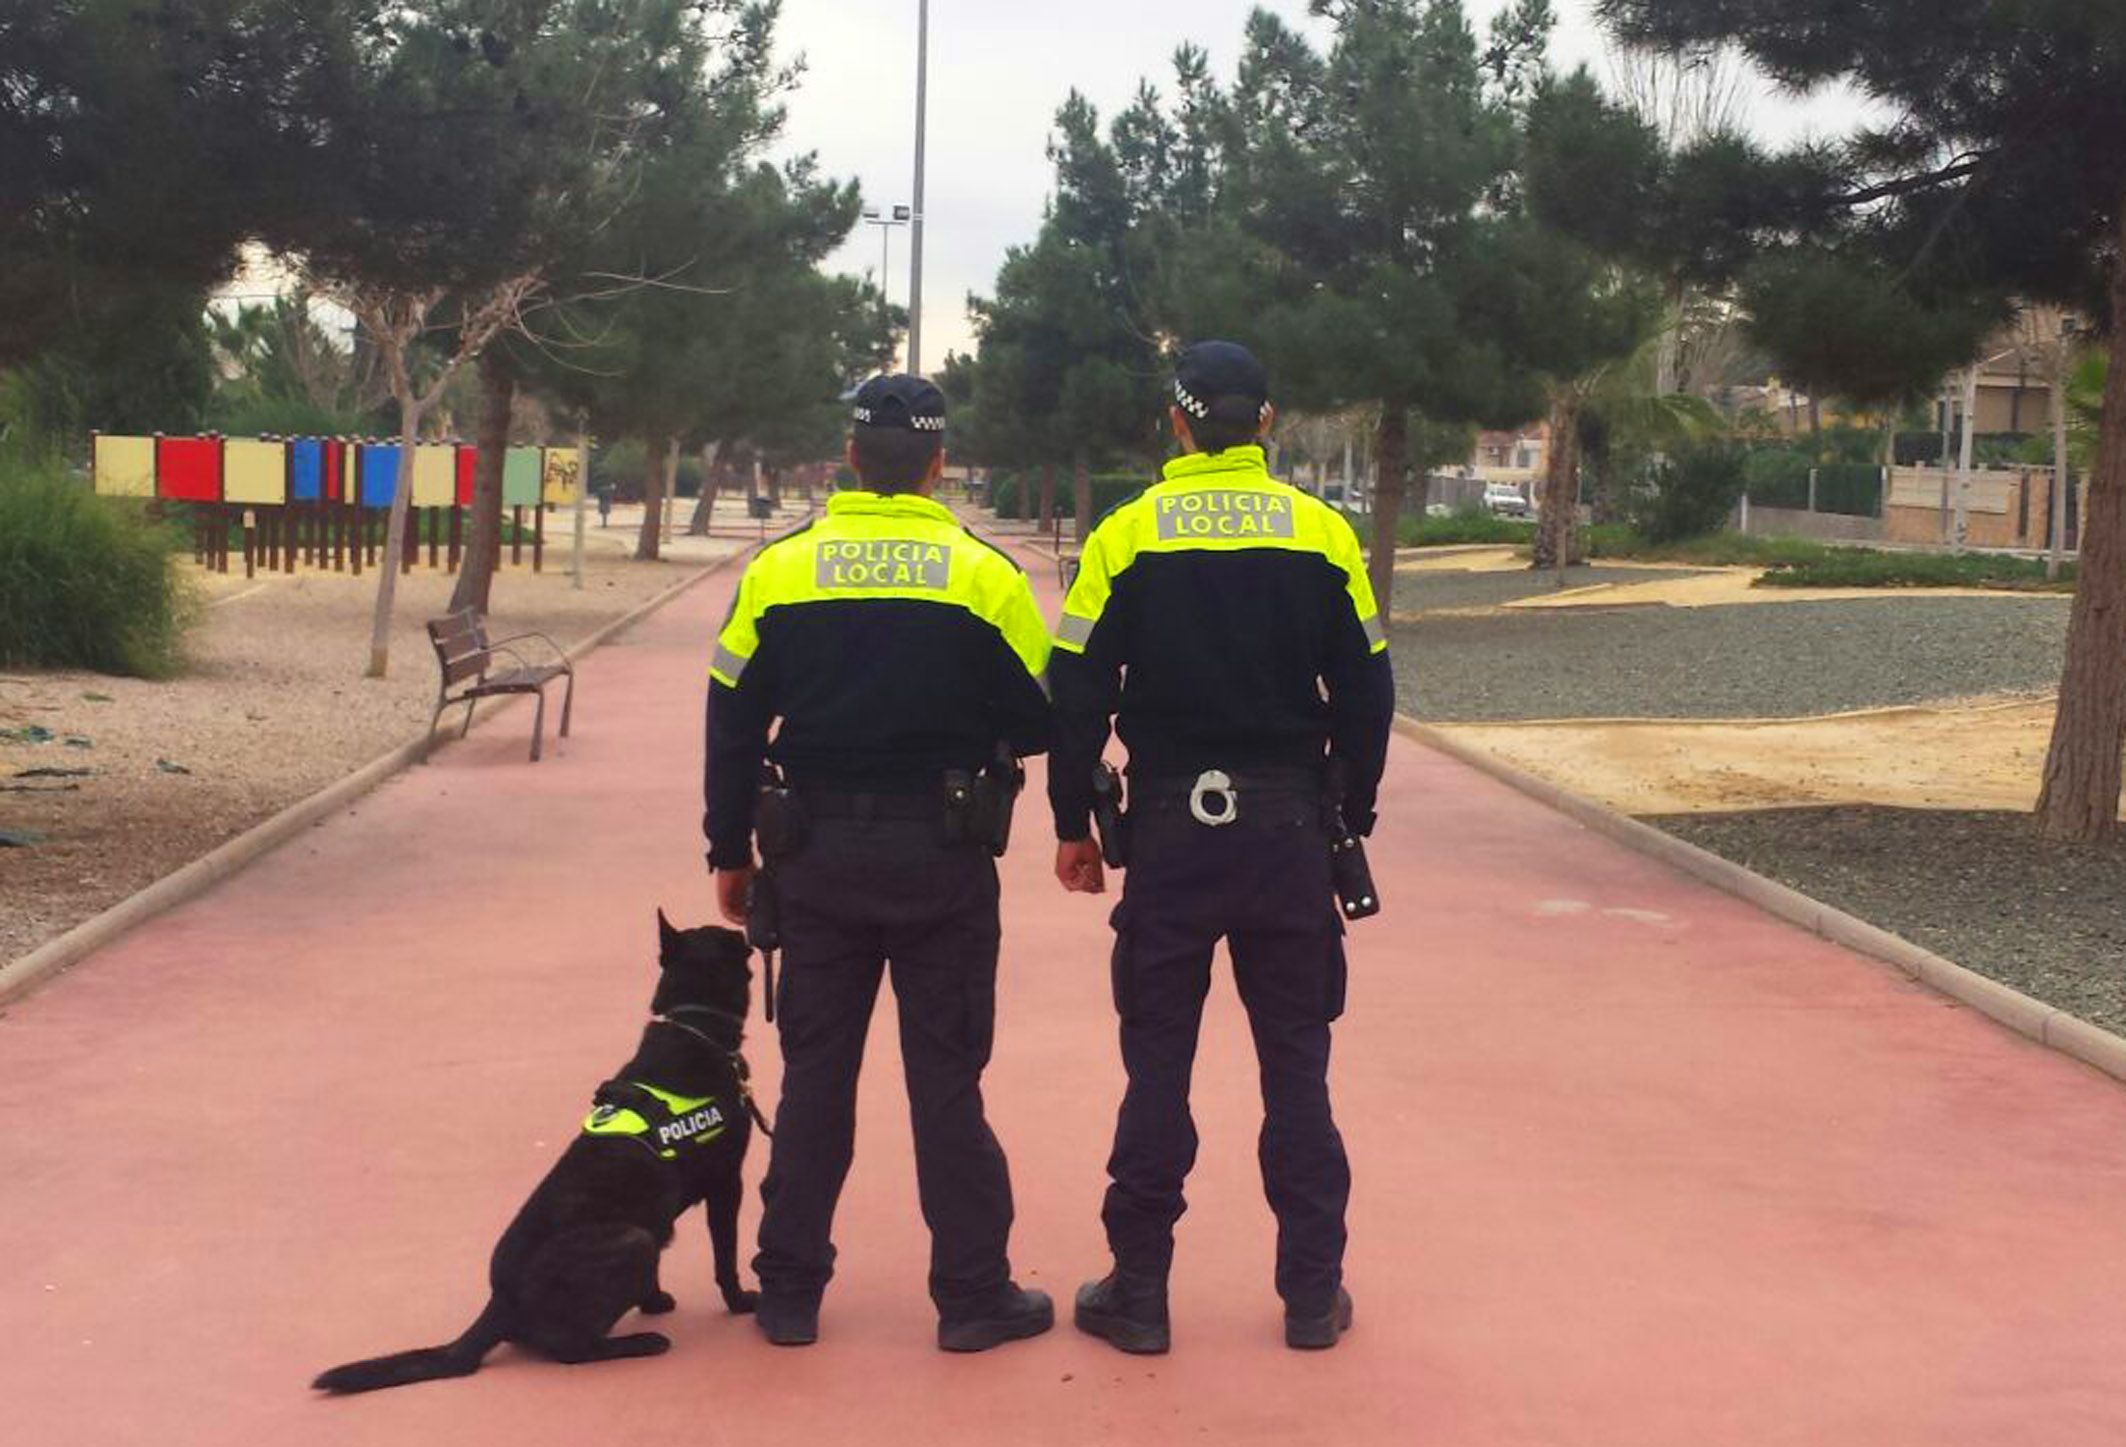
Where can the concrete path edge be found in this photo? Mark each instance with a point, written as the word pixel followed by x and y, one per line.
pixel 40 966
pixel 2033 1019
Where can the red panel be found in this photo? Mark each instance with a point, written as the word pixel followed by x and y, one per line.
pixel 468 465
pixel 335 471
pixel 188 469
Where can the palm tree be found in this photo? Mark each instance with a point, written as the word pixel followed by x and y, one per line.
pixel 1626 420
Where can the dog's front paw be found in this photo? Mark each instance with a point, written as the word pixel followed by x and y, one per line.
pixel 660 1304
pixel 741 1303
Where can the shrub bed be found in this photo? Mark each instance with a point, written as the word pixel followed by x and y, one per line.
pixel 85 582
pixel 1460 529
pixel 1860 568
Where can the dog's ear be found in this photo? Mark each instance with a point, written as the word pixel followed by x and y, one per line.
pixel 667 937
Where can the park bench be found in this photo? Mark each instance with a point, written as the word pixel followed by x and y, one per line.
pixel 476 668
pixel 1069 562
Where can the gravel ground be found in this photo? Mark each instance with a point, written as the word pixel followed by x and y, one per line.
pixel 1792 661
pixel 1979 889
pixel 1429 590
pixel 272 707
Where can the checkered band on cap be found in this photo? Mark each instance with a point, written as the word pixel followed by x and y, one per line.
pixel 1200 410
pixel 920 424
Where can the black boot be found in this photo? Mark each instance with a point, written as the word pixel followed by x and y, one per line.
pixel 788 1321
pixel 1127 1312
pixel 1319 1333
pixel 1017 1316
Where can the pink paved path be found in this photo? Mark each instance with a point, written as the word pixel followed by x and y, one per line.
pixel 1636 1165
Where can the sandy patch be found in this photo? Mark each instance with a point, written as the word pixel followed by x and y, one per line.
pixel 1462 560
pixel 1728 587
pixel 1985 756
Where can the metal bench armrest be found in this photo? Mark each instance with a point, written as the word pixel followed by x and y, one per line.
pixel 560 653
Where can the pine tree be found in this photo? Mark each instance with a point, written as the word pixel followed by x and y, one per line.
pixel 1998 172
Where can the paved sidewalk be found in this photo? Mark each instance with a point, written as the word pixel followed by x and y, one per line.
pixel 1637 1166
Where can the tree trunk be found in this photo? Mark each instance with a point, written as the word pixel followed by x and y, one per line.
pixel 2082 775
pixel 483 549
pixel 1081 495
pixel 1668 366
pixel 1047 502
pixel 1555 539
pixel 711 484
pixel 656 457
pixel 1392 452
pixel 387 583
pixel 1608 489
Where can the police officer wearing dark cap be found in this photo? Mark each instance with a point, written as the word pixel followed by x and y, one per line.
pixel 882 671
pixel 1223 623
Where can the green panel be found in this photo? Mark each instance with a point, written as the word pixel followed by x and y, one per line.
pixel 523 474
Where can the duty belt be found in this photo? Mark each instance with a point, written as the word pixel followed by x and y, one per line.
pixel 831 804
pixel 1215 797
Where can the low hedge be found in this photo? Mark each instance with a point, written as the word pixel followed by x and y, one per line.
pixel 85 581
pixel 1018 495
pixel 1467 527
pixel 1863 568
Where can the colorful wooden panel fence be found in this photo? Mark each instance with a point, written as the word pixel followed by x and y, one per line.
pixel 468 474
pixel 435 476
pixel 306 469
pixel 523 477
pixel 379 473
pixel 125 466
pixel 254 474
pixel 564 475
pixel 188 469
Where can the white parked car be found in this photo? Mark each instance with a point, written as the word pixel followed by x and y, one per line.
pixel 1503 499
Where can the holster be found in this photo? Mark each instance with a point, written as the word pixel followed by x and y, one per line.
pixel 780 831
pixel 1109 818
pixel 1349 870
pixel 979 806
pixel 997 790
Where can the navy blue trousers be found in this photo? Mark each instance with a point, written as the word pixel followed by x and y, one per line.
pixel 1262 885
pixel 858 898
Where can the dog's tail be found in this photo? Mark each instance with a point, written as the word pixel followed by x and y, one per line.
pixel 460 1359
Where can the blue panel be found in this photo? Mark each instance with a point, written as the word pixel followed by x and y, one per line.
pixel 307 470
pixel 380 475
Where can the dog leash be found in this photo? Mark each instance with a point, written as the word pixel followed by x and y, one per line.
pixel 741 1069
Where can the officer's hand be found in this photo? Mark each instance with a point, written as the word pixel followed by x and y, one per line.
pixel 734 887
pixel 1079 867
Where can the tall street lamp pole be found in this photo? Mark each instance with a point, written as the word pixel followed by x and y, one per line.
pixel 922 128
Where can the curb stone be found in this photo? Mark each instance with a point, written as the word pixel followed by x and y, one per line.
pixel 40 966
pixel 2033 1019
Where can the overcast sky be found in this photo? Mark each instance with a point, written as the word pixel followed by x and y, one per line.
pixel 998 71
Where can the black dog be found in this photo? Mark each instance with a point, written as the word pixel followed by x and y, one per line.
pixel 669 1132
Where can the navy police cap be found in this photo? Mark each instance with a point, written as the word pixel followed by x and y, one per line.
pixel 1213 372
pixel 906 403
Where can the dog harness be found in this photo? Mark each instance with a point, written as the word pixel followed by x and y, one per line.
pixel 656 1120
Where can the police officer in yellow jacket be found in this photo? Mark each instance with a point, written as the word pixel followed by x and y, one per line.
pixel 1224 622
pixel 900 663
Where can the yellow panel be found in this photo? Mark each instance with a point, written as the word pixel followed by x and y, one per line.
pixel 564 475
pixel 435 475
pixel 125 466
pixel 255 472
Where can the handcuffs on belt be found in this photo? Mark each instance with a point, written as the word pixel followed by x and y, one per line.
pixel 1214 784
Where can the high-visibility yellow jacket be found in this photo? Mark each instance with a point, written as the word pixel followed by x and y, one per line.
pixel 1221 620
pixel 889 642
